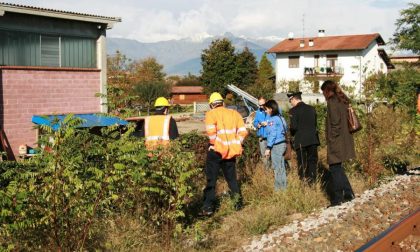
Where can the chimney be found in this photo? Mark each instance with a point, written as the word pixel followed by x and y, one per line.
pixel 311 42
pixel 321 33
pixel 302 43
pixel 291 35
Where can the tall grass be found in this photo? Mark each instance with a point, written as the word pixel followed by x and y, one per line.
pixel 264 211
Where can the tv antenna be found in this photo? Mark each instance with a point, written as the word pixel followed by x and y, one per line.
pixel 303 25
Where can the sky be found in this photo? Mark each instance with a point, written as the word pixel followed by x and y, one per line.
pixel 159 20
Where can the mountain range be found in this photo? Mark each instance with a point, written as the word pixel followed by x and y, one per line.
pixel 180 57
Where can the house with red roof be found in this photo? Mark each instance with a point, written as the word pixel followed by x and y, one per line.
pixel 349 59
pixel 184 95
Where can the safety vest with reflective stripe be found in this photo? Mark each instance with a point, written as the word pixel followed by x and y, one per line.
pixel 226 131
pixel 156 130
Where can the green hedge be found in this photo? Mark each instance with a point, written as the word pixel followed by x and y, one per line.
pixel 55 200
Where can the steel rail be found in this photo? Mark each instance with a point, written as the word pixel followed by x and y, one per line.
pixel 389 239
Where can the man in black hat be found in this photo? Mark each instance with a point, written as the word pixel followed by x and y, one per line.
pixel 303 127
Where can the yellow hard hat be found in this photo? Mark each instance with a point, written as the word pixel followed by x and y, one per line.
pixel 215 97
pixel 162 102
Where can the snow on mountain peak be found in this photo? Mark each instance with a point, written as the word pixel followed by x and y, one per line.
pixel 199 37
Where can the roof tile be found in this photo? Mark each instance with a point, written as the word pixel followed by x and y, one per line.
pixel 187 90
pixel 330 43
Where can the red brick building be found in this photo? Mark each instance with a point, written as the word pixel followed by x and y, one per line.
pixel 51 62
pixel 187 95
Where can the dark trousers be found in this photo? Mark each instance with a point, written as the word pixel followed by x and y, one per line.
pixel 213 163
pixel 307 158
pixel 340 186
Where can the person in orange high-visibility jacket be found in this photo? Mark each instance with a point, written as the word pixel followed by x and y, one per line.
pixel 160 128
pixel 226 131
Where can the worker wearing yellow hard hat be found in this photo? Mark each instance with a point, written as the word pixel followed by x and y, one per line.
pixel 214 97
pixel 162 102
pixel 226 131
pixel 160 128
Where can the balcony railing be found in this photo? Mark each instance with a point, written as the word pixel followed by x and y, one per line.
pixel 322 71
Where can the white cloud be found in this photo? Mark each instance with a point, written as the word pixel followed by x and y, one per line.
pixel 157 20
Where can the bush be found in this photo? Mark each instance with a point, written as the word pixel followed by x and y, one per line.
pixel 399 88
pixel 55 200
pixel 247 162
pixel 387 140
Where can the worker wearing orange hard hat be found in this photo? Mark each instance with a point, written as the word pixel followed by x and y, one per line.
pixel 226 131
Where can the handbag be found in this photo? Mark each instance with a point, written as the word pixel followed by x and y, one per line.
pixel 353 120
pixel 288 152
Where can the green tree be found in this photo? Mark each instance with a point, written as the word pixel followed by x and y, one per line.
pixel 190 80
pixel 399 87
pixel 147 70
pixel 219 66
pixel 247 69
pixel 124 75
pixel 264 85
pixel 119 82
pixel 407 34
pixel 149 91
pixel 265 69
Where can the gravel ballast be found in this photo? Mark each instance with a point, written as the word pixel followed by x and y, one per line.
pixel 350 225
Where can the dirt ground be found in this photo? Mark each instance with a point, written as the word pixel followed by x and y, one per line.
pixel 188 125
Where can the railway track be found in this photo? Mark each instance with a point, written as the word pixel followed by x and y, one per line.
pixel 354 225
pixel 390 239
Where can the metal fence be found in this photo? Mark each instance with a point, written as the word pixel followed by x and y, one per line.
pixel 201 107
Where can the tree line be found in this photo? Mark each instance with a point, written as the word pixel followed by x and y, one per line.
pixel 134 84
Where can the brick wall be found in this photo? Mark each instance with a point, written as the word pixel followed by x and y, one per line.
pixel 28 92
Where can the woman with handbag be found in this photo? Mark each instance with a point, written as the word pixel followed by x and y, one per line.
pixel 340 143
pixel 276 129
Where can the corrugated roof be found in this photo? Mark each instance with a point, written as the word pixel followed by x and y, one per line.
pixel 187 89
pixel 328 43
pixel 9 7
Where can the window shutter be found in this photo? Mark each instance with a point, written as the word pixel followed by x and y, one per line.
pixel 50 51
pixel 293 61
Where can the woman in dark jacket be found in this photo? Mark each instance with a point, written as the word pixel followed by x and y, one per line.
pixel 340 143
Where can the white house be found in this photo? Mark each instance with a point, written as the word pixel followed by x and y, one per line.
pixel 349 59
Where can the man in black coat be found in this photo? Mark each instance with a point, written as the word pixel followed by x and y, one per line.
pixel 303 127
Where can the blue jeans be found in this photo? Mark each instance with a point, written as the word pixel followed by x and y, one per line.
pixel 263 147
pixel 279 166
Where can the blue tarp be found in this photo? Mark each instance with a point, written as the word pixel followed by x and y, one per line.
pixel 88 120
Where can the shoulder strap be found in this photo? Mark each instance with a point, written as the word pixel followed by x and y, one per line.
pixel 282 124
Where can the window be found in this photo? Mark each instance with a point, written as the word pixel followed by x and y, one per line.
pixel 30 49
pixel 181 97
pixel 293 61
pixel 332 60
pixel 50 51
pixel 316 61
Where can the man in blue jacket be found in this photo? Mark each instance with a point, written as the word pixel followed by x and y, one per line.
pixel 260 122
